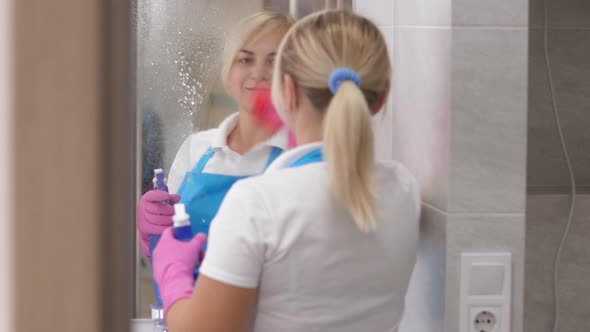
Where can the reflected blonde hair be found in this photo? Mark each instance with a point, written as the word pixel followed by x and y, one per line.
pixel 252 27
pixel 309 53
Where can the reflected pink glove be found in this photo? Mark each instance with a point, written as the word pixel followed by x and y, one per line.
pixel 173 263
pixel 154 214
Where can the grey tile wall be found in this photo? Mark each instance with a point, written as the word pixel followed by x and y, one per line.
pixel 490 13
pixel 569 50
pixel 460 104
pixel 562 13
pixel 546 219
pixel 488 121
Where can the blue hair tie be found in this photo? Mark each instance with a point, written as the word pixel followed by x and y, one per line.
pixel 340 75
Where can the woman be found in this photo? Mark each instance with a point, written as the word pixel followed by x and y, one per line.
pixel 208 163
pixel 311 245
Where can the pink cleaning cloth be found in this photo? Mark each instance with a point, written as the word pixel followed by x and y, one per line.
pixel 266 114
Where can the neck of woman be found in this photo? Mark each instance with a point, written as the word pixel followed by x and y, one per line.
pixel 247 134
pixel 308 126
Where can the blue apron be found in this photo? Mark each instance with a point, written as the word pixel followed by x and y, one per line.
pixel 202 193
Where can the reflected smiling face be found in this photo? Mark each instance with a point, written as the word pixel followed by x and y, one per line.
pixel 252 67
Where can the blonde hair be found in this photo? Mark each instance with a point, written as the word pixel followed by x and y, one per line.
pixel 315 47
pixel 253 26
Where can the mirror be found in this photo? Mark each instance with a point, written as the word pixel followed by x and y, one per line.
pixel 179 91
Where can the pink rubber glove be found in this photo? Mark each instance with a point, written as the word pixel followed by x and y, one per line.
pixel 153 216
pixel 173 264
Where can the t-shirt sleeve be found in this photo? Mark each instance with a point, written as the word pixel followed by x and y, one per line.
pixel 235 249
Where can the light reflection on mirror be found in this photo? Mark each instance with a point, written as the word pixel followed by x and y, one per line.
pixel 179 91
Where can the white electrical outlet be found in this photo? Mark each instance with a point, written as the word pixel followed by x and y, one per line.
pixel 485 319
pixel 485 292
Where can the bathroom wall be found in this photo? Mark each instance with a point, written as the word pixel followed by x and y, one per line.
pixel 548 182
pixel 546 218
pixel 458 120
pixel 569 36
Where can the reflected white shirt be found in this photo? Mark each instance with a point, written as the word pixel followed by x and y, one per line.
pixel 224 161
pixel 284 233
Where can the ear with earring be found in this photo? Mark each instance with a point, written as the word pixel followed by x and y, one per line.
pixel 378 106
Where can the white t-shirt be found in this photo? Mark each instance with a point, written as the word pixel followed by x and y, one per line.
pixel 224 161
pixel 284 233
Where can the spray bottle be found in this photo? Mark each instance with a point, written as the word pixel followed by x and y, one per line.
pixel 159 183
pixel 182 231
pixel 159 180
pixel 182 228
pixel 182 223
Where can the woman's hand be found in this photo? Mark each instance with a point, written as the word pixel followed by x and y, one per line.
pixel 154 215
pixel 173 264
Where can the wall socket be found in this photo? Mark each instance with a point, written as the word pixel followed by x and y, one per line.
pixel 485 292
pixel 485 319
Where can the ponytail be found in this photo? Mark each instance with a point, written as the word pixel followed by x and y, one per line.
pixel 348 150
pixel 339 61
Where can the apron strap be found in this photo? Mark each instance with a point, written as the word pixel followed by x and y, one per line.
pixel 204 159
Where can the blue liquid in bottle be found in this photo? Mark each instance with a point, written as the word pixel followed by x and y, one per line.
pixel 182 227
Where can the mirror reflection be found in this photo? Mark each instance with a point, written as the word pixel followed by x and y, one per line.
pixel 203 66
